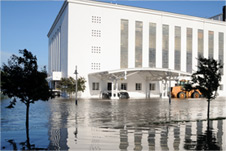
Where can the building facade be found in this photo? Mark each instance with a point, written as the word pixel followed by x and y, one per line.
pixel 122 48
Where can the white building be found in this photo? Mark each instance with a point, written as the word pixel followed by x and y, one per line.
pixel 118 47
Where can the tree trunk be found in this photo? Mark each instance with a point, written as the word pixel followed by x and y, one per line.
pixel 27 125
pixel 208 114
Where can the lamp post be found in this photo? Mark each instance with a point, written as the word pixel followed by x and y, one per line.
pixel 169 87
pixel 76 85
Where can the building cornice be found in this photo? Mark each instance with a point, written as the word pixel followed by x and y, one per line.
pixel 146 11
pixel 132 9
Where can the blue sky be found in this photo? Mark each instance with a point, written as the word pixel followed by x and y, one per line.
pixel 25 24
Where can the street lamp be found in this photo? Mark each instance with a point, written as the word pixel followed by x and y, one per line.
pixel 76 85
pixel 169 73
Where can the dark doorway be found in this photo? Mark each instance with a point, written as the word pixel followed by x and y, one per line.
pixel 109 86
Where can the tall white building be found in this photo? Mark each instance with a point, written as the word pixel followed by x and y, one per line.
pixel 118 47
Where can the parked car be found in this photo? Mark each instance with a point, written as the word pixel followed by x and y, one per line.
pixel 55 93
pixel 106 95
pixel 123 95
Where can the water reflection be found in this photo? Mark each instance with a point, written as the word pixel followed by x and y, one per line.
pixel 58 121
pixel 137 140
pixel 151 139
pixel 123 140
pixel 124 125
pixel 207 141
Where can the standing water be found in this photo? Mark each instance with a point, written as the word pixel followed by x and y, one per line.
pixel 116 125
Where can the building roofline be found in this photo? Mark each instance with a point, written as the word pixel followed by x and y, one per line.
pixel 131 8
pixel 165 70
pixel 58 17
pixel 215 16
pixel 145 10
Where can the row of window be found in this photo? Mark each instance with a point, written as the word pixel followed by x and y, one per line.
pixel 95 66
pixel 96 49
pixel 138 86
pixel 165 45
pixel 96 33
pixel 96 19
pixel 123 86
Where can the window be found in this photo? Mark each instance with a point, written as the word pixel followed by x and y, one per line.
pixel 138 86
pixel 96 49
pixel 152 44
pixel 177 48
pixel 200 44
pixel 96 19
pixel 95 86
pixel 138 43
pixel 95 66
pixel 165 46
pixel 123 86
pixel 221 50
pixel 211 44
pixel 96 33
pixel 152 86
pixel 189 50
pixel 124 44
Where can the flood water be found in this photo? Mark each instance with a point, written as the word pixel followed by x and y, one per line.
pixel 116 125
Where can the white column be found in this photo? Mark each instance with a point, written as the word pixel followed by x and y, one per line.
pixel 183 48
pixel 215 45
pixel 145 46
pixel 205 43
pixel 159 45
pixel 53 53
pixel 50 57
pixel 59 50
pixel 131 45
pixel 164 95
pixel 194 49
pixel 171 46
pixel 116 89
pixel 146 87
pixel 57 61
pixel 112 89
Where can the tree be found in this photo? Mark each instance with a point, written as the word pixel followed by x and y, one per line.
pixel 68 85
pixel 207 79
pixel 22 80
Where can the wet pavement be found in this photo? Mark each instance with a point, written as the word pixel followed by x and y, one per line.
pixel 116 125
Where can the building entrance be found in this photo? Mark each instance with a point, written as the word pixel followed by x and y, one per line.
pixel 109 86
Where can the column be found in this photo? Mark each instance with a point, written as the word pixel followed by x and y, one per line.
pixel 116 89
pixel 164 89
pixel 112 89
pixel 147 88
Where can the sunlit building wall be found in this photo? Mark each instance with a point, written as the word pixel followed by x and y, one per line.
pixel 98 37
